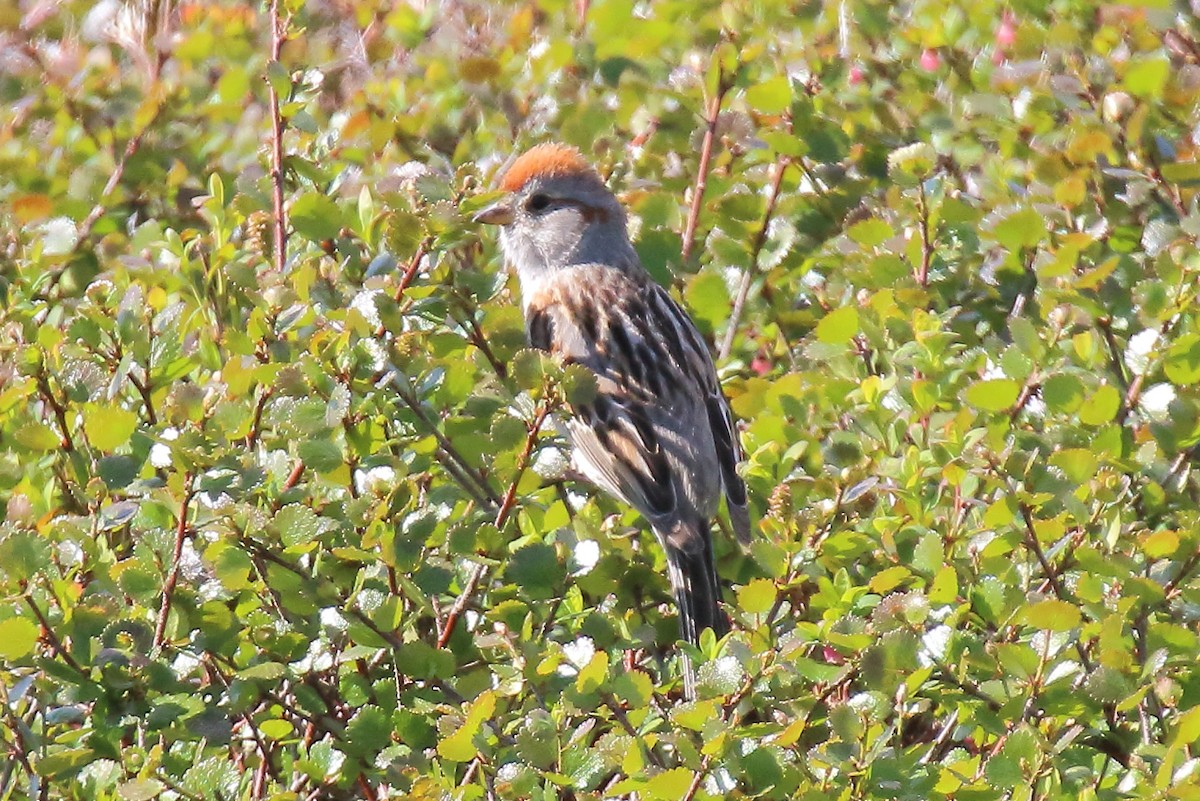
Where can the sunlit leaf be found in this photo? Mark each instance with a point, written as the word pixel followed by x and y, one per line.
pixel 839 326
pixel 994 394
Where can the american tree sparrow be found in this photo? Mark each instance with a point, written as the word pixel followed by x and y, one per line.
pixel 658 435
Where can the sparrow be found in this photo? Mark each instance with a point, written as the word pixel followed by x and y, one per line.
pixel 658 435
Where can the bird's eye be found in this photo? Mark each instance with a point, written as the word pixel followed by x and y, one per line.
pixel 538 202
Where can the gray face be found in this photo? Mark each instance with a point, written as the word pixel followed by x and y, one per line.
pixel 559 222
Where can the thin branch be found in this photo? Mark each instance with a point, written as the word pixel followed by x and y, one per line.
pixel 460 604
pixel 523 460
pixel 1132 396
pixel 502 517
pixel 367 790
pixel 131 149
pixel 279 243
pixel 256 426
pixel 55 643
pixel 143 389
pixel 730 714
pixel 488 498
pixel 712 116
pixel 1031 386
pixel 966 684
pixel 1031 539
pixel 1052 576
pixel 476 338
pixel 470 774
pixel 466 478
pixel 926 241
pixel 181 528
pixel 16 748
pixel 257 550
pixel 1114 351
pixel 1169 190
pixel 1184 570
pixel 60 411
pixel 410 273
pixel 614 706
pixel 294 477
pixel 760 240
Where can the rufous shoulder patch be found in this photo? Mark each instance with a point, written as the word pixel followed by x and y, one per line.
pixel 549 160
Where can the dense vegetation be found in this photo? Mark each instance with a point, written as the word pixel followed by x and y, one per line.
pixel 280 516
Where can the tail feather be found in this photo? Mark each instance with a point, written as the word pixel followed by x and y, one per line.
pixel 693 573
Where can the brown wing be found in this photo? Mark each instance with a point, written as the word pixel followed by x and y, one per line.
pixel 659 423
pixel 720 419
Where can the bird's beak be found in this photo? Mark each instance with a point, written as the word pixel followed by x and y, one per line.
pixel 499 213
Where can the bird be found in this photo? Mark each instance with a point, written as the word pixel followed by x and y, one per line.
pixel 659 434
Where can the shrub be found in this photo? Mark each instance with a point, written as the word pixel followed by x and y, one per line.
pixel 282 519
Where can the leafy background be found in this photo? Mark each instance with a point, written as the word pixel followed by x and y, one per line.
pixel 279 522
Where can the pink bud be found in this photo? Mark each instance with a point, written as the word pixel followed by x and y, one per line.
pixel 856 75
pixel 1006 33
pixel 760 364
pixel 930 60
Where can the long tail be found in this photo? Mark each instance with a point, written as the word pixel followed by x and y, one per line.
pixel 693 574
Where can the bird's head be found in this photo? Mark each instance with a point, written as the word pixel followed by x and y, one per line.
pixel 557 212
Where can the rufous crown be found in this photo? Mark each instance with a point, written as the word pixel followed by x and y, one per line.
pixel 549 160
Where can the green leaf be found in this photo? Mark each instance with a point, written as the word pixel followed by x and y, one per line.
pixel 37 437
pixel 315 217
pixel 296 524
pixel 117 472
pixel 402 232
pixel 944 589
pixel 265 671
pixel 889 579
pixel 993 395
pixel 1107 685
pixel 459 746
pixel 1182 363
pixel 280 80
pixel 1187 728
pixel 633 687
pixel 694 714
pixel 757 597
pixel 64 762
pixel 107 426
pixel 593 674
pixel 579 384
pixel 23 555
pixel 529 368
pixel 1102 407
pixel 276 728
pixel 870 233
pixel 838 327
pixel 909 164
pixel 140 789
pixel 1186 173
pixel 537 740
pixel 1161 544
pixel 670 785
pixel 772 96
pixel 1146 77
pixel 535 569
pixel 1078 464
pixel 1052 615
pixel 321 455
pixel 1022 229
pixel 1063 392
pixel 708 299
pixel 18 638
pixel 368 731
